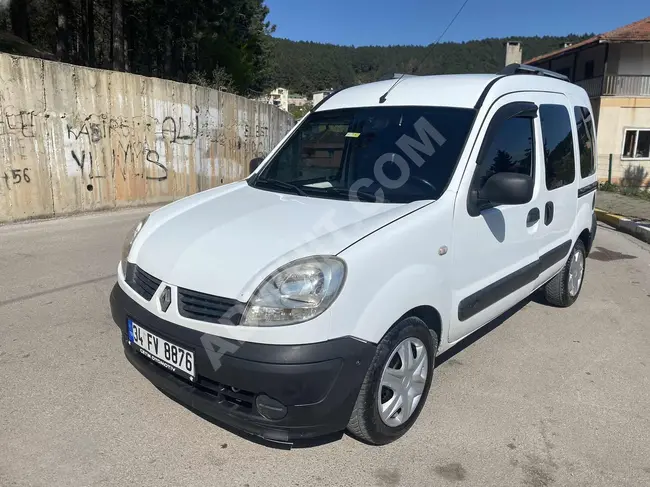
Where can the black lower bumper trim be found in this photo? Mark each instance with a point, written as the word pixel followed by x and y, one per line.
pixel 592 234
pixel 492 293
pixel 317 383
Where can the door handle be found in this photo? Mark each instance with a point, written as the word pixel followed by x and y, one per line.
pixel 549 212
pixel 533 217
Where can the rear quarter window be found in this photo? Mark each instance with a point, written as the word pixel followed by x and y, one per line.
pixel 585 126
pixel 558 146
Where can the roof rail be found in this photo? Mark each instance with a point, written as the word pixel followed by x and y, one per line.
pixel 526 69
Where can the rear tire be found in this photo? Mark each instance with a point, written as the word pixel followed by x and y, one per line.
pixel 411 376
pixel 565 287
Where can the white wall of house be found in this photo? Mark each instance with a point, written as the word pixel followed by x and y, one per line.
pixel 617 114
pixel 318 96
pixel 629 59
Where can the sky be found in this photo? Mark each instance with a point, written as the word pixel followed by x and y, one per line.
pixel 386 22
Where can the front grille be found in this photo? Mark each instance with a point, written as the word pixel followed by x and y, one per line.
pixel 142 283
pixel 237 398
pixel 205 307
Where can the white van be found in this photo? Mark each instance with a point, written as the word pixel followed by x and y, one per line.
pixel 394 220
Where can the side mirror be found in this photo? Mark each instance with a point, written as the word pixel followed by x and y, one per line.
pixel 508 188
pixel 254 164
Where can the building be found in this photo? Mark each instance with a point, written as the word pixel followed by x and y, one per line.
pixel 319 96
pixel 614 69
pixel 280 98
pixel 298 100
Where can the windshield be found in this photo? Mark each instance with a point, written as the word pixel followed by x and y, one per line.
pixel 385 154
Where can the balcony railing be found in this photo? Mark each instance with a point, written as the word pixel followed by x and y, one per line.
pixel 617 85
pixel 593 86
pixel 627 85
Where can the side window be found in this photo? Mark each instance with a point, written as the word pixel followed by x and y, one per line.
pixel 558 146
pixel 585 141
pixel 511 150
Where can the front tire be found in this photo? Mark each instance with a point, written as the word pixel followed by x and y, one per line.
pixel 564 288
pixel 397 383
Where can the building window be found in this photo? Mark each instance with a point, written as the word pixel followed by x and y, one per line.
pixel 558 146
pixel 636 144
pixel 589 69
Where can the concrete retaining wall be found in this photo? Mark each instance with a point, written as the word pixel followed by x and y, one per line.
pixel 76 139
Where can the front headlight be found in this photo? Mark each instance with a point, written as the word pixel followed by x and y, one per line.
pixel 128 243
pixel 296 292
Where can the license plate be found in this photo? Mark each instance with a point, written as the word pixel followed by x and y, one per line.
pixel 174 358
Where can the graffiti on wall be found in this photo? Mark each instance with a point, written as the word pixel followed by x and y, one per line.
pixel 89 142
pixel 110 139
pixel 16 122
pixel 101 146
pixel 16 176
pixel 16 130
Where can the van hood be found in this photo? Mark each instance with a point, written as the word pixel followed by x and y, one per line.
pixel 225 241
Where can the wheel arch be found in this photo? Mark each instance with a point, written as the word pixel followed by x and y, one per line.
pixel 587 238
pixel 429 315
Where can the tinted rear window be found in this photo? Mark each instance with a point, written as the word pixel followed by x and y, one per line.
pixel 585 127
pixel 558 145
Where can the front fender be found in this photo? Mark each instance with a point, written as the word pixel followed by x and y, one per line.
pixel 392 296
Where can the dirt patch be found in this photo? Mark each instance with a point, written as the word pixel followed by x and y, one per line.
pixel 388 477
pixel 605 255
pixel 452 471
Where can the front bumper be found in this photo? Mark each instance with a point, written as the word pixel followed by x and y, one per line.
pixel 317 383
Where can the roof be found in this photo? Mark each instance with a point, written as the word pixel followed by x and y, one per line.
pixel 638 31
pixel 450 90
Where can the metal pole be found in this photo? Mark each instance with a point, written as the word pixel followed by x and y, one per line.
pixel 609 174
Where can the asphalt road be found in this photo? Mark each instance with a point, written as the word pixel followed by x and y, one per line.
pixel 545 397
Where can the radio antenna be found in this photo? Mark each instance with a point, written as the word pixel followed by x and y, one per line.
pixel 383 97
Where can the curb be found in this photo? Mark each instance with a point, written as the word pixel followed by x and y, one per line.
pixel 624 225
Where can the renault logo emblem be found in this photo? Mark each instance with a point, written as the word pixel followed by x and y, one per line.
pixel 165 298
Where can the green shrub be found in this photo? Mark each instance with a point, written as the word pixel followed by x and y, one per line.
pixel 606 186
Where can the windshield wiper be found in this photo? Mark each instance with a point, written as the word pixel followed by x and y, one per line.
pixel 283 185
pixel 352 195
